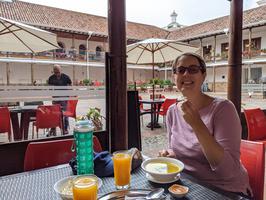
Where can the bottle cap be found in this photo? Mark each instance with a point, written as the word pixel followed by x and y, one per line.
pixel 84 125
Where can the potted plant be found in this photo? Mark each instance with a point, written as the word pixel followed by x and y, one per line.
pixel 218 56
pixel 87 82
pixel 224 55
pixel 94 114
pixel 263 51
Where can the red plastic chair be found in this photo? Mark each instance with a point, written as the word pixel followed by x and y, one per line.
pixel 140 104
pixel 167 103
pixel 5 125
pixel 253 157
pixel 71 109
pixel 48 117
pixel 256 123
pixel 46 154
pixel 50 153
pixel 97 145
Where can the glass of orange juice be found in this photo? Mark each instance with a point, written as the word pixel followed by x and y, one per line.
pixel 122 168
pixel 85 187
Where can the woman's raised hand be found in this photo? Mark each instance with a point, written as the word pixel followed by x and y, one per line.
pixel 190 113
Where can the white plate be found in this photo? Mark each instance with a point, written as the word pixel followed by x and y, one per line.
pixel 150 178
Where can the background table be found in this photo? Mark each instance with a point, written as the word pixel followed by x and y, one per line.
pixel 155 108
pixel 39 184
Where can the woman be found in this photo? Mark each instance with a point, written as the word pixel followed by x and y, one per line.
pixel 205 132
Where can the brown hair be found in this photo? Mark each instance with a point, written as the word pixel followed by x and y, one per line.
pixel 198 57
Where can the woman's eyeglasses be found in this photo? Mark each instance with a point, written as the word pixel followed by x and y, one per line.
pixel 192 69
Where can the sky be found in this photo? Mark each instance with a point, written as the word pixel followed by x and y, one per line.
pixel 154 12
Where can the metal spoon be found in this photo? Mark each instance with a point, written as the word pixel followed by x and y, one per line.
pixel 155 194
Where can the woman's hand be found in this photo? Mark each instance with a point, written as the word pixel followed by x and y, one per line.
pixel 167 153
pixel 190 113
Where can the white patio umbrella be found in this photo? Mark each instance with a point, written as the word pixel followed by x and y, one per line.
pixel 18 37
pixel 155 51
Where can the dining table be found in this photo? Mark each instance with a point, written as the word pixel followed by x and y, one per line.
pixel 38 184
pixel 21 127
pixel 154 111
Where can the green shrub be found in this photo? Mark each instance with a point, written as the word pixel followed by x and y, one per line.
pixel 168 82
pixel 87 82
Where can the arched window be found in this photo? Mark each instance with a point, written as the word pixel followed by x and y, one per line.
pixel 62 45
pixel 98 51
pixel 82 49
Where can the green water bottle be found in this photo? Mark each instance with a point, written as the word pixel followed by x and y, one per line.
pixel 83 133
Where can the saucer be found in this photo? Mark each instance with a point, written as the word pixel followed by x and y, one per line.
pixel 150 178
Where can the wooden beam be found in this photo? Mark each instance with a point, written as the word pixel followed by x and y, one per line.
pixel 118 126
pixel 235 53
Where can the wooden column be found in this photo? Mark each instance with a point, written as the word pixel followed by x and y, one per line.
pixel 235 53
pixel 74 74
pixel 32 71
pixel 118 126
pixel 7 74
pixel 73 58
pixel 201 48
pixel 249 42
pixel 249 52
pixel 214 80
pixel 7 71
pixel 214 61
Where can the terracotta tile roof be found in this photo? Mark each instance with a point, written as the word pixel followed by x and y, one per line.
pixel 67 20
pixel 251 16
pixel 45 16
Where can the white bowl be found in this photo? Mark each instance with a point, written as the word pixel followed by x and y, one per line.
pixel 178 191
pixel 63 187
pixel 163 176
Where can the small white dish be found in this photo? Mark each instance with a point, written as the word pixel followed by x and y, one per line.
pixel 63 187
pixel 152 179
pixel 178 191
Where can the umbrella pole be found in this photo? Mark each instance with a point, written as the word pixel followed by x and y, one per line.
pixel 165 72
pixel 153 76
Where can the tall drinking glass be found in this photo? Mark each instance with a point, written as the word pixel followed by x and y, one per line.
pixel 85 187
pixel 122 169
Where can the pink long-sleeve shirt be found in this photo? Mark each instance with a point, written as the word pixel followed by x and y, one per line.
pixel 223 123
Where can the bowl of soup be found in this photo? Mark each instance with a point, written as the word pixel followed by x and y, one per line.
pixel 63 187
pixel 162 168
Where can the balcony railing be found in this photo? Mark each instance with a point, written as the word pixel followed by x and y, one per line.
pixel 63 54
pixel 245 55
pixel 94 56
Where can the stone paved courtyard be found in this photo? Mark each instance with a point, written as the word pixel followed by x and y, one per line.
pixel 152 141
